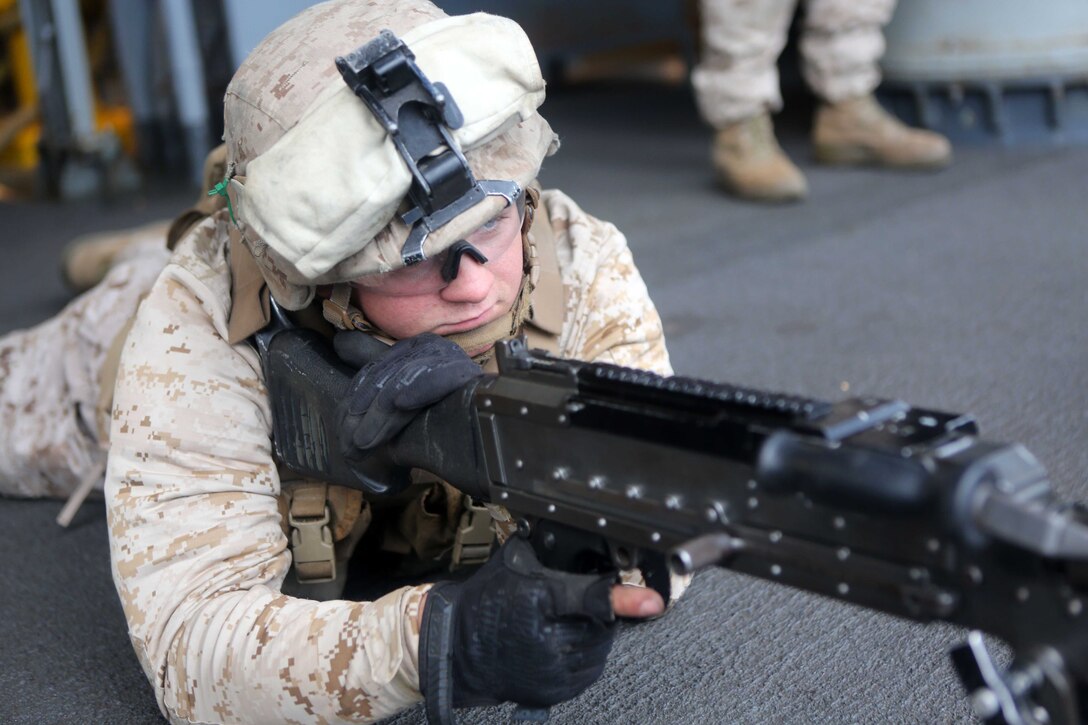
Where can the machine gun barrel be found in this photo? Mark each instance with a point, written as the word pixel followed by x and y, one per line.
pixel 869 501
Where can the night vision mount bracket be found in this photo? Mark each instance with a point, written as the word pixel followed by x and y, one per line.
pixel 419 115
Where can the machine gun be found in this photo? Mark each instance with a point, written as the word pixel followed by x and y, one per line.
pixel 868 501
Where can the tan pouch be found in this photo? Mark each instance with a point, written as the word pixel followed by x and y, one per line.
pixel 428 524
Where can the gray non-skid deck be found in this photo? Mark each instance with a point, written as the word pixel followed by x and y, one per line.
pixel 963 290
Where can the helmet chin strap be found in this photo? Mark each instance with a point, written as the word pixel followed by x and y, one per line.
pixel 342 314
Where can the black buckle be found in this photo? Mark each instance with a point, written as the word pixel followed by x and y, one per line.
pixel 418 116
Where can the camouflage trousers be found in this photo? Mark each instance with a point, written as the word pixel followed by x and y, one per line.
pixel 737 78
pixel 53 413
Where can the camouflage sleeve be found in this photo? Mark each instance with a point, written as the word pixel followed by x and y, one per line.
pixel 609 316
pixel 196 543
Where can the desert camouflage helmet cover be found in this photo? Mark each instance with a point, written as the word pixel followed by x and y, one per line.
pixel 318 182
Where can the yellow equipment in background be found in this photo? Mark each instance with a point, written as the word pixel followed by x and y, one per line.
pixel 19 127
pixel 20 117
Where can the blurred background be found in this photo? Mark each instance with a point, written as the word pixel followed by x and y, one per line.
pixel 960 290
pixel 99 96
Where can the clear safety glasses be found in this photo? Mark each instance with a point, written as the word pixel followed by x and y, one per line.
pixel 488 242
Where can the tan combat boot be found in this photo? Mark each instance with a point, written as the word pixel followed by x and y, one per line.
pixel 860 131
pixel 752 165
pixel 86 260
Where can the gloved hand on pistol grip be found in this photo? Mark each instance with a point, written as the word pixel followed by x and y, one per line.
pixel 394 384
pixel 513 631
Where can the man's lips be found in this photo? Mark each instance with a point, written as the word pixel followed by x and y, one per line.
pixel 469 324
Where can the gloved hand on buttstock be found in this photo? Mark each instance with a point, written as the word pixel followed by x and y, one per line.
pixel 415 399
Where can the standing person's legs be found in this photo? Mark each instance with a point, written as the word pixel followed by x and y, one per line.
pixel 841 47
pixel 737 75
pixel 736 87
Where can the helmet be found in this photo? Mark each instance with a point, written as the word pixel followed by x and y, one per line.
pixel 320 187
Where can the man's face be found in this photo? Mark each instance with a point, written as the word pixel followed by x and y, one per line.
pixel 417 299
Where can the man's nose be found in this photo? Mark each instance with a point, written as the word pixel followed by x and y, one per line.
pixel 472 283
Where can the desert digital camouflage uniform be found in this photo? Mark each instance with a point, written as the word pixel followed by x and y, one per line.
pixel 56 379
pixel 196 532
pixel 52 410
pixel 737 77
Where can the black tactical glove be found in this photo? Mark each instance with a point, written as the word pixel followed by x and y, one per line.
pixel 403 399
pixel 391 388
pixel 514 631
